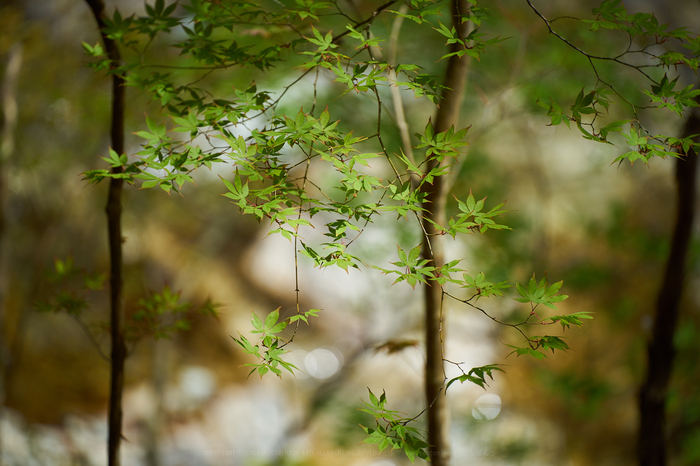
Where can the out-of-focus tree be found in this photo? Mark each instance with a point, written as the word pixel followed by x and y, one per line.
pixel 11 59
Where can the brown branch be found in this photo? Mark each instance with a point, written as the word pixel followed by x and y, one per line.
pixel 589 56
pixel 114 209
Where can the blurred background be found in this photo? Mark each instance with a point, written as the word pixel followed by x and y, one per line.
pixel 602 228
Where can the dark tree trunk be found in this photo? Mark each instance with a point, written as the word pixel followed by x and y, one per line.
pixel 447 115
pixel 8 123
pixel 660 351
pixel 114 209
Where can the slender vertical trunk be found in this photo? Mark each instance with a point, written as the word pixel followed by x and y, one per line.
pixel 447 115
pixel 660 351
pixel 8 123
pixel 114 228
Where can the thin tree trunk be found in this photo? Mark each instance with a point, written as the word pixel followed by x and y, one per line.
pixel 8 123
pixel 660 351
pixel 114 209
pixel 447 115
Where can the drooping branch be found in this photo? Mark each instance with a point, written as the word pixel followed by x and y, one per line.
pixel 590 57
pixel 114 228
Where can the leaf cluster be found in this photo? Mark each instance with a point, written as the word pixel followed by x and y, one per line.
pixel 471 218
pixel 541 292
pixel 74 285
pixel 392 430
pixel 476 375
pixel 161 315
pixel 270 350
pixel 655 43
